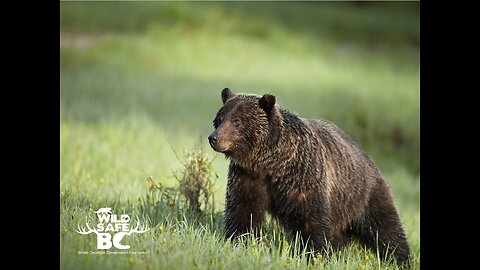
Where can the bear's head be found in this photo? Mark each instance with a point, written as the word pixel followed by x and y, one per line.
pixel 242 124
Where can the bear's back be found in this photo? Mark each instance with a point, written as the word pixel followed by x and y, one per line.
pixel 331 136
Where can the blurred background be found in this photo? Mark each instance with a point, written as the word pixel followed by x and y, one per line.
pixel 140 80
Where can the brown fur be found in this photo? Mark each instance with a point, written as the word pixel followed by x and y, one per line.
pixel 308 173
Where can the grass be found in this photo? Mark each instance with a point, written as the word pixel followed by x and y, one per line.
pixel 140 80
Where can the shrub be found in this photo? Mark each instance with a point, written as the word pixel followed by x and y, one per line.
pixel 195 182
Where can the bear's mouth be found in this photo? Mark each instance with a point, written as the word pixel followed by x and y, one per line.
pixel 216 148
pixel 224 151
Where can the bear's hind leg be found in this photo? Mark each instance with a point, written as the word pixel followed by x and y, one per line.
pixel 381 227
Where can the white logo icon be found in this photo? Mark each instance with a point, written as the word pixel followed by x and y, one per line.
pixel 111 224
pixel 105 210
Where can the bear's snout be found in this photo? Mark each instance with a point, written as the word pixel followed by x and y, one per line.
pixel 220 143
pixel 213 139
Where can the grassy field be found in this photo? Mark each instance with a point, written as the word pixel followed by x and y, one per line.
pixel 141 81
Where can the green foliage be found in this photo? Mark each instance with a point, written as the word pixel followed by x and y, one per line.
pixel 193 190
pixel 196 180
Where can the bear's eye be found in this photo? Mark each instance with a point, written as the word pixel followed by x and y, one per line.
pixel 236 123
pixel 217 121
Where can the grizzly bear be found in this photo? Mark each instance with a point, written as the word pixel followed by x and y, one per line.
pixel 307 173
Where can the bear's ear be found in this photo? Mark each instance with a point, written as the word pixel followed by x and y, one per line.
pixel 226 95
pixel 267 102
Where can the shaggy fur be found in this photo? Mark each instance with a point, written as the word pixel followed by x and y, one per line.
pixel 308 173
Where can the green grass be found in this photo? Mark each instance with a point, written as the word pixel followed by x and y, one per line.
pixel 142 80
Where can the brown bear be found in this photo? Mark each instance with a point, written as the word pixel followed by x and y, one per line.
pixel 307 173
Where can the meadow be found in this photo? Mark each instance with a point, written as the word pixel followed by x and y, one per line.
pixel 140 85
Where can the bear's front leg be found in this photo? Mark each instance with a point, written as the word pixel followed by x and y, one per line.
pixel 246 202
pixel 303 210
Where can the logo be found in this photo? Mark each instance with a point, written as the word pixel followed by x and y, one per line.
pixel 111 229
